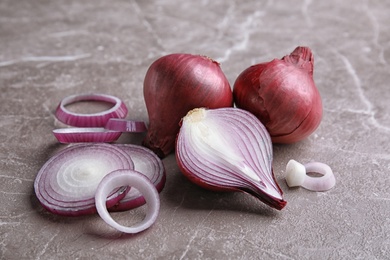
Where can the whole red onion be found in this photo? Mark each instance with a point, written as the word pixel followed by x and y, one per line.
pixel 175 84
pixel 282 94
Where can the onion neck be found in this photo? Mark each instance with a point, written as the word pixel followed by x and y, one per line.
pixel 301 57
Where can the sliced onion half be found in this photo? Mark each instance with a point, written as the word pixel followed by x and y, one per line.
pixel 228 149
pixel 67 182
pixel 86 134
pixel 119 110
pixel 147 163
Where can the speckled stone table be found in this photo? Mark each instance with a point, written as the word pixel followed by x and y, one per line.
pixel 52 49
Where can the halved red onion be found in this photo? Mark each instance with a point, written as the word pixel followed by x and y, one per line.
pixel 135 180
pixel 147 163
pixel 228 149
pixel 67 182
pixel 296 175
pixel 86 134
pixel 123 125
pixel 119 110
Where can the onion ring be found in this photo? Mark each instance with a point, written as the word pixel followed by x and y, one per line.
pixel 296 175
pixel 119 110
pixel 134 179
pixel 85 134
pixel 123 125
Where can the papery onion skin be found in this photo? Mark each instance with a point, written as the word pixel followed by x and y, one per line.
pixel 174 84
pixel 282 95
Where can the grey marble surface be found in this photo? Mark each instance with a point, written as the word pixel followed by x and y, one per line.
pixel 52 49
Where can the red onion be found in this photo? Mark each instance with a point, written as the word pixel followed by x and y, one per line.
pixel 119 110
pixel 282 94
pixel 175 84
pixel 147 163
pixel 90 126
pixel 123 125
pixel 228 149
pixel 67 182
pixel 133 179
pixel 296 175
pixel 85 134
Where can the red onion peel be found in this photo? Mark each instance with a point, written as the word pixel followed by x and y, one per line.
pixel 174 84
pixel 283 95
pixel 228 149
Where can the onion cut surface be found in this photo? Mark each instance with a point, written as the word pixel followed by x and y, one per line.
pixel 67 182
pixel 147 163
pixel 228 149
pixel 135 180
pixel 119 110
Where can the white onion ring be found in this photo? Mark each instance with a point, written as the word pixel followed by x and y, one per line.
pixel 296 175
pixel 134 179
pixel 123 125
pixel 119 110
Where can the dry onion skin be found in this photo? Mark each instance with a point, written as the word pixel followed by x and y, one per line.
pixel 174 84
pixel 228 149
pixel 282 95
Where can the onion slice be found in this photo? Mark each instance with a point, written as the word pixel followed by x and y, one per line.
pixel 296 175
pixel 67 182
pixel 133 179
pixel 147 163
pixel 228 149
pixel 86 134
pixel 123 125
pixel 119 110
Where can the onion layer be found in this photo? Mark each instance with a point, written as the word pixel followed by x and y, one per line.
pixel 228 149
pixel 123 125
pixel 119 110
pixel 282 94
pixel 133 179
pixel 85 134
pixel 147 163
pixel 67 182
pixel 296 175
pixel 175 84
